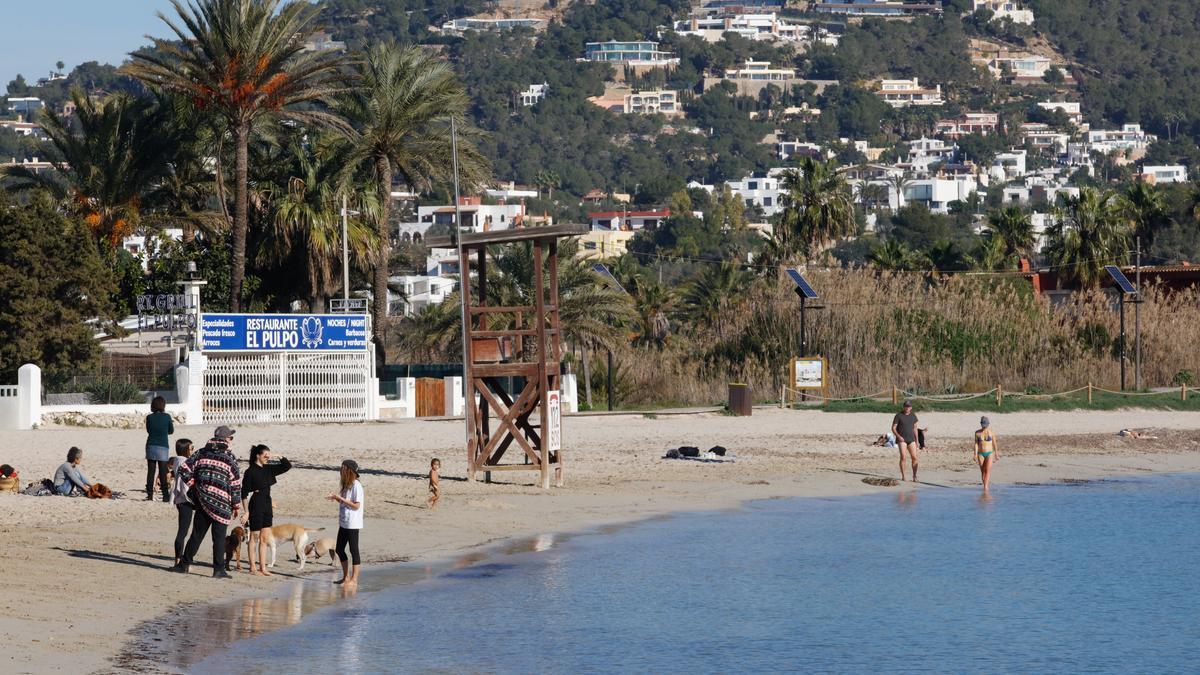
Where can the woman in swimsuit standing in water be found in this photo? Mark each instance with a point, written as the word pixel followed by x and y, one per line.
pixel 986 450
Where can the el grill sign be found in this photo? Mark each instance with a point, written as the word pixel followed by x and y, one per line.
pixel 284 332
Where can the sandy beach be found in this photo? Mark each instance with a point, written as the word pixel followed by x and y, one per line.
pixel 83 575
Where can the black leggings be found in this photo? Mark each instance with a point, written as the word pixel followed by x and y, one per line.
pixel 151 466
pixel 348 536
pixel 185 523
pixel 200 524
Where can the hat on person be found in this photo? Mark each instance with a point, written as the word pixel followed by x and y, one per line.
pixel 352 465
pixel 223 432
pixel 983 421
pixel 907 404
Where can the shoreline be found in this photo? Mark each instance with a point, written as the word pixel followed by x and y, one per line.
pixel 116 551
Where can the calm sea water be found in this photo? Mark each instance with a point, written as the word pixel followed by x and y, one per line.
pixel 1099 577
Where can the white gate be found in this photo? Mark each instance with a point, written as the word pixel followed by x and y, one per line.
pixel 288 387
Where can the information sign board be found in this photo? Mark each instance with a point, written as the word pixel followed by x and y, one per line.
pixel 284 332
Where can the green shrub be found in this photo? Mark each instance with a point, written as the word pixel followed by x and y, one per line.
pixel 1184 376
pixel 112 391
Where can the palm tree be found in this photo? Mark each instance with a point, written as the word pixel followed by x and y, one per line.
pixel 1011 227
pixel 306 218
pixel 121 150
pixel 872 195
pixel 708 299
pixel 243 61
pixel 653 302
pixel 893 256
pixel 818 207
pixel 897 183
pixel 548 180
pixel 1089 234
pixel 1145 209
pixel 401 112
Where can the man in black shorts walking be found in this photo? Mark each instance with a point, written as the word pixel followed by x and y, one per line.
pixel 904 426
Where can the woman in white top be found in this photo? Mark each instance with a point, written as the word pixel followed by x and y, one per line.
pixel 350 520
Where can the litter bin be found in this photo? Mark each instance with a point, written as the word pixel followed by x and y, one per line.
pixel 739 399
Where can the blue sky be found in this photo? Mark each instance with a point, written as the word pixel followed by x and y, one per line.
pixel 34 34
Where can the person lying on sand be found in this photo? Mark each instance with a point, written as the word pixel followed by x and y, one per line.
pixel 1134 433
pixel 887 440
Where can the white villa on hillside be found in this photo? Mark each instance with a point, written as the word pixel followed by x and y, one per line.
pixel 968 123
pixel 535 93
pixel 711 26
pixel 635 53
pixel 902 93
pixel 1005 9
pixel 1173 173
pixel 761 189
pixel 460 26
pixel 663 101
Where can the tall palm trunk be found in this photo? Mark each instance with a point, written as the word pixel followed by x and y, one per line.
pixel 587 376
pixel 383 172
pixel 241 217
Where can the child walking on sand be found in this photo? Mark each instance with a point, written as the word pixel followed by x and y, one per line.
pixel 435 488
pixel 986 450
pixel 350 520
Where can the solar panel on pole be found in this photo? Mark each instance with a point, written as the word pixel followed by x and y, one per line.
pixel 1120 279
pixel 602 270
pixel 806 289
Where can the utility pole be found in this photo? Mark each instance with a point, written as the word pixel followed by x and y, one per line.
pixel 345 252
pixel 1137 318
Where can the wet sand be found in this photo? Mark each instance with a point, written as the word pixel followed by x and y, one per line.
pixel 88 576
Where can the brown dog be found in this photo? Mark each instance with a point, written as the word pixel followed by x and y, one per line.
pixel 317 549
pixel 233 547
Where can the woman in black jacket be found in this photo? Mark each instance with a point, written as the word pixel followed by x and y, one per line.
pixel 256 488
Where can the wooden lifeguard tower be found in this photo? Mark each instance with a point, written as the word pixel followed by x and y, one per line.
pixel 521 343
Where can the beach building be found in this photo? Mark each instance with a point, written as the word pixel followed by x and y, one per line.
pixel 882 9
pixel 1020 67
pixel 937 193
pixel 476 215
pixel 1041 137
pixel 712 24
pixel 511 191
pixel 33 164
pixel 924 152
pixel 761 189
pixel 903 93
pixel 1128 137
pixel 137 245
pixel 420 291
pixel 23 128
pixel 321 41
pixel 1005 9
pixel 535 93
pixel 1008 165
pixel 658 102
pixel 460 26
pixel 600 244
pixel 1072 109
pixel 788 149
pixel 25 106
pixel 628 220
pixel 968 123
pixel 754 76
pixel 1050 283
pixel 1174 173
pixel 643 53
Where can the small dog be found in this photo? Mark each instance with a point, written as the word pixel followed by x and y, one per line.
pixel 317 549
pixel 296 534
pixel 233 547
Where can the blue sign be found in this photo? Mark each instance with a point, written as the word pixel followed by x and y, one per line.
pixel 283 332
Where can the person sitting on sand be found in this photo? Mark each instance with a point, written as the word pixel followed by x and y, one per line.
pixel 986 450
pixel 435 488
pixel 887 440
pixel 904 427
pixel 9 480
pixel 68 478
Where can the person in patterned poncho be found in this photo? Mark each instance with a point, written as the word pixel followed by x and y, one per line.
pixel 215 484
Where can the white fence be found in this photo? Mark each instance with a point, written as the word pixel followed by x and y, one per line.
pixel 289 387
